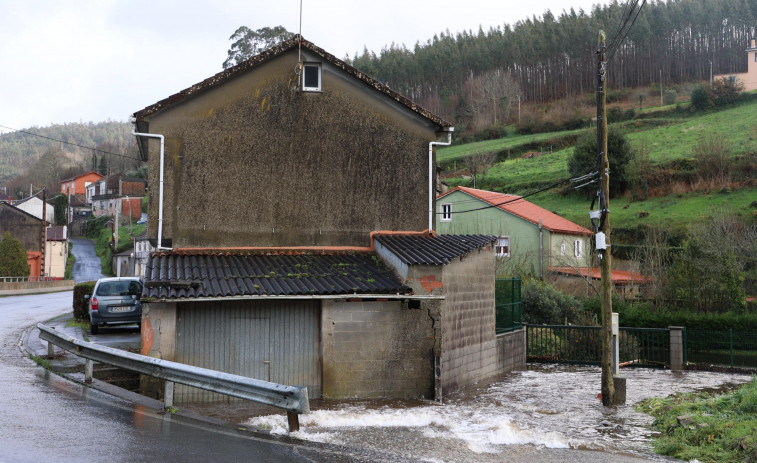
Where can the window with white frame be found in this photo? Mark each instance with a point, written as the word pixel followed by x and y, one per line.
pixel 562 249
pixel 311 77
pixel 446 212
pixel 502 248
pixel 578 248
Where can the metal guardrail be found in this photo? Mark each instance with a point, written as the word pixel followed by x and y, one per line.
pixel 293 399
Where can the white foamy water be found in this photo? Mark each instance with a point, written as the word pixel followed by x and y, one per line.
pixel 549 406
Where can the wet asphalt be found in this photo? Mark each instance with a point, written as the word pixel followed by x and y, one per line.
pixel 87 266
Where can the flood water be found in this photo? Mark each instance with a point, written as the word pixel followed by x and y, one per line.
pixel 546 406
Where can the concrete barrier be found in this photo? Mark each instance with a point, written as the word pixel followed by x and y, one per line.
pixel 35 287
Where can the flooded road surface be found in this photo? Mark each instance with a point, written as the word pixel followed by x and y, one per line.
pixel 537 411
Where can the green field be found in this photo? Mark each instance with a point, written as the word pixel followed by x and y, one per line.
pixel 673 140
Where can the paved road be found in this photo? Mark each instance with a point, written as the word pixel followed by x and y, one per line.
pixel 47 418
pixel 87 266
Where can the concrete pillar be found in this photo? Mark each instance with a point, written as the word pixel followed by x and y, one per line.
pixel 676 347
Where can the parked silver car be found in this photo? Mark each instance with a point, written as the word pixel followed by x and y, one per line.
pixel 115 301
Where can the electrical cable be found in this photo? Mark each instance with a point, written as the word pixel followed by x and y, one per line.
pixel 71 143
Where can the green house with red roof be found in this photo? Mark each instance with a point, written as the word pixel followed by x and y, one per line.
pixel 531 239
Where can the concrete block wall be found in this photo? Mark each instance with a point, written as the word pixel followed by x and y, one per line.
pixel 468 345
pixel 511 351
pixel 376 349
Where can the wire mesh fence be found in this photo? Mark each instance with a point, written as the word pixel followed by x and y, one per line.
pixel 732 349
pixel 508 305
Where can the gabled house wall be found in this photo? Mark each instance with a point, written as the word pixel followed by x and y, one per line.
pixel 24 226
pixel 256 161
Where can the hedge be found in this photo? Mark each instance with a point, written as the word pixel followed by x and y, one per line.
pixel 639 315
pixel 80 305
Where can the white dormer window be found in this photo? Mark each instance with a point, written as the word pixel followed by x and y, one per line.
pixel 311 77
pixel 446 212
pixel 578 248
pixel 502 249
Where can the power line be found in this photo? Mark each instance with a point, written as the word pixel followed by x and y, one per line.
pixel 520 198
pixel 71 143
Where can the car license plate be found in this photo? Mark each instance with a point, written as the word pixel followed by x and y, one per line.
pixel 121 309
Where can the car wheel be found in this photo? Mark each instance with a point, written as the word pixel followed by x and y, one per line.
pixel 93 328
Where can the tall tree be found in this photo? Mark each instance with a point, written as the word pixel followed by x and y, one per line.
pixel 13 261
pixel 248 43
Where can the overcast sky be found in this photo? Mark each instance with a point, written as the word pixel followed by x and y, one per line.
pixel 80 61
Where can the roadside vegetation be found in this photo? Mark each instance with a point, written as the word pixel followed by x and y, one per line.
pixel 706 426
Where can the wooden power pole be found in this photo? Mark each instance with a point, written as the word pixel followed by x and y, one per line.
pixel 608 385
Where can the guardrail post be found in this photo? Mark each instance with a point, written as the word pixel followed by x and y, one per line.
pixel 50 348
pixel 676 347
pixel 294 421
pixel 168 394
pixel 88 367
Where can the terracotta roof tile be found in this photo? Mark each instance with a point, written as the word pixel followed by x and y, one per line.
pixel 619 277
pixel 525 210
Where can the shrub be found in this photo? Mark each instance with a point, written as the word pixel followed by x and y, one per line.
pixel 543 304
pixel 584 159
pixel 669 97
pixel 700 99
pixel 13 259
pixel 79 304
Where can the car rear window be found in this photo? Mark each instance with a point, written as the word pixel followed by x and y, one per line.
pixel 119 288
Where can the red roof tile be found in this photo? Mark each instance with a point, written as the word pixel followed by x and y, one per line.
pixel 621 277
pixel 525 210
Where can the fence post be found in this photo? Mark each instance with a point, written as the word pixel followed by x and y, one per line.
pixel 168 394
pixel 676 347
pixel 730 344
pixel 88 366
pixel 294 421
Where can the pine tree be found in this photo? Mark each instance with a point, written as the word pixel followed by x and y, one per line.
pixel 13 261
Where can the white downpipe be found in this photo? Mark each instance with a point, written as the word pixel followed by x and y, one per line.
pixel 160 189
pixel 431 175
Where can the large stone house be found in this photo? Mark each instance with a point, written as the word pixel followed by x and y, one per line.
pixel 298 200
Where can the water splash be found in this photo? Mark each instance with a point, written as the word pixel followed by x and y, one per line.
pixel 550 406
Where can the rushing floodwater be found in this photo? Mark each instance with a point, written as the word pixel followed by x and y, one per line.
pixel 553 406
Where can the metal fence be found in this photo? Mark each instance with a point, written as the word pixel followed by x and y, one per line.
pixel 508 305
pixel 27 279
pixel 733 349
pixel 648 347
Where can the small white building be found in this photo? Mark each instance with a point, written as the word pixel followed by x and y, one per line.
pixel 34 206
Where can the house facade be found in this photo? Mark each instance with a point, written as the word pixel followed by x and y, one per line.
pixel 56 251
pixel 77 185
pixel 530 239
pixel 749 78
pixel 296 200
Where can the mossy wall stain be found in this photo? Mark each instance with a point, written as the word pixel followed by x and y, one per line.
pixel 277 167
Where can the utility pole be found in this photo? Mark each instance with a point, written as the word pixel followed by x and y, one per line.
pixel 608 384
pixel 44 233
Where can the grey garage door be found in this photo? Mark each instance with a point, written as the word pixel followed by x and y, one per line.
pixel 273 341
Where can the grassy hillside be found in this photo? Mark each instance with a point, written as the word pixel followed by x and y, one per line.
pixel 669 141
